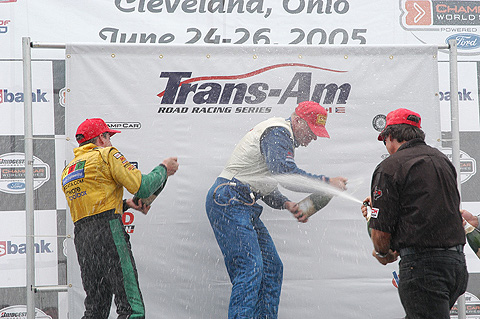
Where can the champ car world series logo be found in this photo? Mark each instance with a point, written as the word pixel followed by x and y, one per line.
pixel 453 19
pixel 12 173
pixel 434 14
pixel 468 165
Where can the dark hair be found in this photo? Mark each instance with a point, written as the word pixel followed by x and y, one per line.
pixel 79 137
pixel 402 132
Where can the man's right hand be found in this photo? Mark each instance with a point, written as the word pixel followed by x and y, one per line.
pixel 364 208
pixel 171 164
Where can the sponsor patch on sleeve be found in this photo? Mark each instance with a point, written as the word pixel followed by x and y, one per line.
pixel 124 161
pixel 289 157
pixel 375 212
pixel 377 193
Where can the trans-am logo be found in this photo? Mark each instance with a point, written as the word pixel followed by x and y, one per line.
pixel 182 88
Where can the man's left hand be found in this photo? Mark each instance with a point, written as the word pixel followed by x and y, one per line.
pixel 297 213
pixel 390 258
pixel 339 182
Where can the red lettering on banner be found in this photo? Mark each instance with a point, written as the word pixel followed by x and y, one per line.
pixel 3 248
pixel 127 218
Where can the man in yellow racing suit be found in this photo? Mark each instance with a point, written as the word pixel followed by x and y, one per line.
pixel 93 184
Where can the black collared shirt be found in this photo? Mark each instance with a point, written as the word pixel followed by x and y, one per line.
pixel 415 198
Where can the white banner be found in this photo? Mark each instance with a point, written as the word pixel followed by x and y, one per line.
pixel 196 104
pixel 12 98
pixel 13 248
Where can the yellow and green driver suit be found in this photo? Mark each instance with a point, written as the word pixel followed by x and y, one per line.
pixel 93 185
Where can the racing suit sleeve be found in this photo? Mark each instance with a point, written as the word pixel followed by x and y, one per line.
pixel 142 185
pixel 152 181
pixel 275 199
pixel 278 148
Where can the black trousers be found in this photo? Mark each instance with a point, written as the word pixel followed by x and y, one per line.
pixel 107 267
pixel 430 283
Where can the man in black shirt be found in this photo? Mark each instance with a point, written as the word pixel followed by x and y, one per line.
pixel 415 215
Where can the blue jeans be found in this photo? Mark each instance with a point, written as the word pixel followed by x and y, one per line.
pixel 430 283
pixel 252 261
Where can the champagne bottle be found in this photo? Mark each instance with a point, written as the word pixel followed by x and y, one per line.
pixel 473 239
pixel 149 200
pixel 369 215
pixel 313 203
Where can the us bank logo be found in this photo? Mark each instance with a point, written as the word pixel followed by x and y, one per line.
pixel 438 21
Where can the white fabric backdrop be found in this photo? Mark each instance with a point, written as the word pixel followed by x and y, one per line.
pixel 328 265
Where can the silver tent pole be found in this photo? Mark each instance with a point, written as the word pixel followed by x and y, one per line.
pixel 455 129
pixel 29 210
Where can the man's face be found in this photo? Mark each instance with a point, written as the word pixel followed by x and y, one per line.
pixel 303 133
pixel 104 140
pixel 391 147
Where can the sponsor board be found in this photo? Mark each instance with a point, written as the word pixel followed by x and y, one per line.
pixel 205 141
pixel 469 113
pixel 472 307
pixel 20 311
pixel 13 248
pixel 12 173
pixel 459 20
pixel 468 165
pixel 12 98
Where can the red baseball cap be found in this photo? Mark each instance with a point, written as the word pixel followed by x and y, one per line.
pixel 91 128
pixel 401 116
pixel 315 116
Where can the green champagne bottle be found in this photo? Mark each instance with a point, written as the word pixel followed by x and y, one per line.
pixel 369 215
pixel 148 201
pixel 313 203
pixel 473 239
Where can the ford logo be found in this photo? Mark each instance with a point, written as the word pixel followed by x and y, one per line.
pixel 466 41
pixel 16 185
